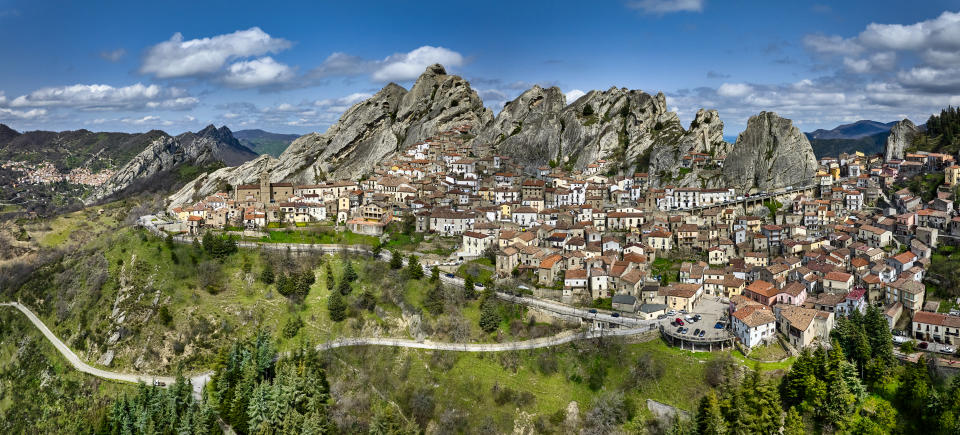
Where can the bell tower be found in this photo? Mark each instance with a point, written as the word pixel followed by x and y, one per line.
pixel 265 187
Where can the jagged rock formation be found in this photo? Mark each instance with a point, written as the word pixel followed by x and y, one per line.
pixel 374 129
pixel 617 124
pixel 630 128
pixel 166 153
pixel 901 136
pixel 367 133
pixel 704 136
pixel 770 153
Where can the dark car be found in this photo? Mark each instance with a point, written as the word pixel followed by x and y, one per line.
pixel 449 275
pixel 702 333
pixel 679 330
pixel 923 345
pixel 696 331
pixel 593 311
pixel 615 314
pixel 697 317
pixel 685 330
pixel 719 325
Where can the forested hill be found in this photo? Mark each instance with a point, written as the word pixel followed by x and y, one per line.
pixel 265 142
pixel 73 149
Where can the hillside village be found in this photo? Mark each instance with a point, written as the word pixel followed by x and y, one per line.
pixel 786 261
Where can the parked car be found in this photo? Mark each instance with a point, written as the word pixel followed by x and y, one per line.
pixel 679 330
pixel 478 284
pixel 923 345
pixel 661 317
pixel 593 311
pixel 449 275
pixel 683 311
pixel 671 313
pixel 697 317
pixel 679 321
pixel 615 314
pixel 949 350
pixel 696 331
pixel 685 330
pixel 719 325
pixel 899 339
pixel 157 383
pixel 702 333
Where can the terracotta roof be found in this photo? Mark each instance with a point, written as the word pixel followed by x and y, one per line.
pixel 754 315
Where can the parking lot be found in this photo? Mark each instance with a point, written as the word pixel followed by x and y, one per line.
pixel 699 326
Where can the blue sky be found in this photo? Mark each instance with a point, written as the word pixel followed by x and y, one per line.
pixel 289 67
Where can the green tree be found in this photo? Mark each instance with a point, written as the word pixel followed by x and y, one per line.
pixel 587 110
pixel 330 281
pixel 349 274
pixel 337 307
pixel 344 287
pixel 168 241
pixel 396 260
pixel 435 299
pixel 469 290
pixel 709 418
pixel 266 275
pixel 414 270
pixel 793 423
pixel 434 274
pixel 377 249
pixel 489 316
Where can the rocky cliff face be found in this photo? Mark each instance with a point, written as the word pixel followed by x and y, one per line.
pixel 617 124
pixel 166 153
pixel 901 136
pixel 704 136
pixel 771 152
pixel 365 134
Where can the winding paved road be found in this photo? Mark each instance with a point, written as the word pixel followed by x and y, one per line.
pixel 200 380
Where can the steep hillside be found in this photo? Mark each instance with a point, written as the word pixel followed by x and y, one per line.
pixel 265 142
pixel 156 167
pixel 771 152
pixel 73 149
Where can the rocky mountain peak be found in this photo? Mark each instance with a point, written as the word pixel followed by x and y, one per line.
pixel 901 136
pixel 770 153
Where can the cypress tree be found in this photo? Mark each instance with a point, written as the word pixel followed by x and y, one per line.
pixel 337 307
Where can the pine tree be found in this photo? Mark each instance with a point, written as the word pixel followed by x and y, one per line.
pixel 330 281
pixel 266 276
pixel 414 270
pixel 469 291
pixel 435 299
pixel 337 307
pixel 489 316
pixel 434 274
pixel 709 419
pixel 349 274
pixel 396 260
pixel 793 423
pixel 344 288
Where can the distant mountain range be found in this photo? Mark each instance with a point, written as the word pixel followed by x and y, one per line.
pixel 265 142
pixel 865 136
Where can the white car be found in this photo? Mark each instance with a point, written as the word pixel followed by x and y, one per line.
pixel 949 350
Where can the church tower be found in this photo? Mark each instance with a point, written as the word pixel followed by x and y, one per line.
pixel 265 187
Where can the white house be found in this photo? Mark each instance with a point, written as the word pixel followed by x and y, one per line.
pixel 754 325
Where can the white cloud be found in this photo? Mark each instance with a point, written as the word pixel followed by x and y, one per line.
pixel 832 44
pixel 573 94
pixel 943 31
pixel 666 6
pixel 21 114
pixel 257 72
pixel 178 58
pixel 348 100
pixel 734 89
pixel 114 55
pixel 408 66
pixel 3 98
pixel 147 120
pixel 99 96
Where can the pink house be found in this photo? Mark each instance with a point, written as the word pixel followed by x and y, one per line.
pixel 793 293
